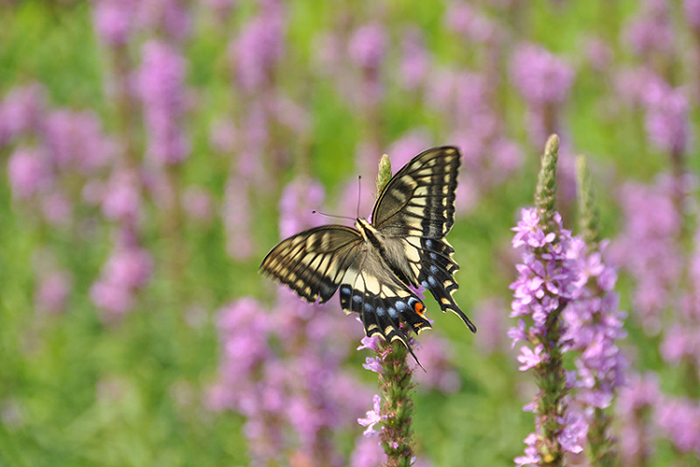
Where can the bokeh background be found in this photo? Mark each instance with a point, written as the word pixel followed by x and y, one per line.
pixel 153 151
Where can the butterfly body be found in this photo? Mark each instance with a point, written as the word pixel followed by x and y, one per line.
pixel 378 265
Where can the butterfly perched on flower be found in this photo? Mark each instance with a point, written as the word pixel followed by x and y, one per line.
pixel 378 265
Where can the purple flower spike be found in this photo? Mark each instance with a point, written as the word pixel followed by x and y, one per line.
pixel 541 78
pixel 368 45
pixel 161 85
pixel 114 20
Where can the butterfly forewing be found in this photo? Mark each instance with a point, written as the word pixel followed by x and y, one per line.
pixel 419 199
pixel 313 262
pixel 414 213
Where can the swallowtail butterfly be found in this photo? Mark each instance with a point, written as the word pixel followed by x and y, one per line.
pixel 374 264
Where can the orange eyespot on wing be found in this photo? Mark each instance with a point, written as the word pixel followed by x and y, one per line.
pixel 419 308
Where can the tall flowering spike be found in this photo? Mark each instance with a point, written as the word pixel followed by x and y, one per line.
pixel 588 217
pixel 545 283
pixel 162 89
pixel 546 194
pixel 396 407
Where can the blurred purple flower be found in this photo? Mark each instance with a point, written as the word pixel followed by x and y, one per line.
pixel 162 89
pixel 541 77
pixel 197 203
pixel 57 208
pixel 53 291
pixel 22 111
pixel 631 84
pixel 258 48
pixel 121 200
pixel 128 269
pixel 461 18
pixel 299 198
pixel 243 328
pixel 114 20
pixel 290 114
pixel 634 404
pixel 692 13
pixel 646 247
pixel 224 136
pixel 368 45
pixel 129 266
pixel 170 17
pixel 75 141
pixel 652 30
pixel 415 61
pixel 679 420
pixel 113 298
pixel 491 315
pixel 29 172
pixel 598 53
pixel 436 354
pixel 667 120
pixel 367 453
pixel 236 217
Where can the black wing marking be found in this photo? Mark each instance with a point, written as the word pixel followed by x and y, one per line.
pixel 382 301
pixel 313 262
pixel 419 199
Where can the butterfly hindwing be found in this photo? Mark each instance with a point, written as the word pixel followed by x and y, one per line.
pixel 313 262
pixel 381 300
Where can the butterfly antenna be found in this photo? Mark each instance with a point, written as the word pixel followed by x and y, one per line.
pixel 359 190
pixel 332 216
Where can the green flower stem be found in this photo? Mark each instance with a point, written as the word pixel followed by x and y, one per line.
pixel 588 217
pixel 394 380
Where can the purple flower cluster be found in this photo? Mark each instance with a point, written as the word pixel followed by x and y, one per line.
pixel 594 324
pixel 544 81
pixel 652 31
pixel 679 420
pixel 646 247
pixel 546 278
pixel 259 47
pixel 546 283
pixel 667 121
pixel 161 86
pixel 634 408
pixel 127 270
pixel 541 77
pixel 114 20
pixel 681 340
pixel 462 18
